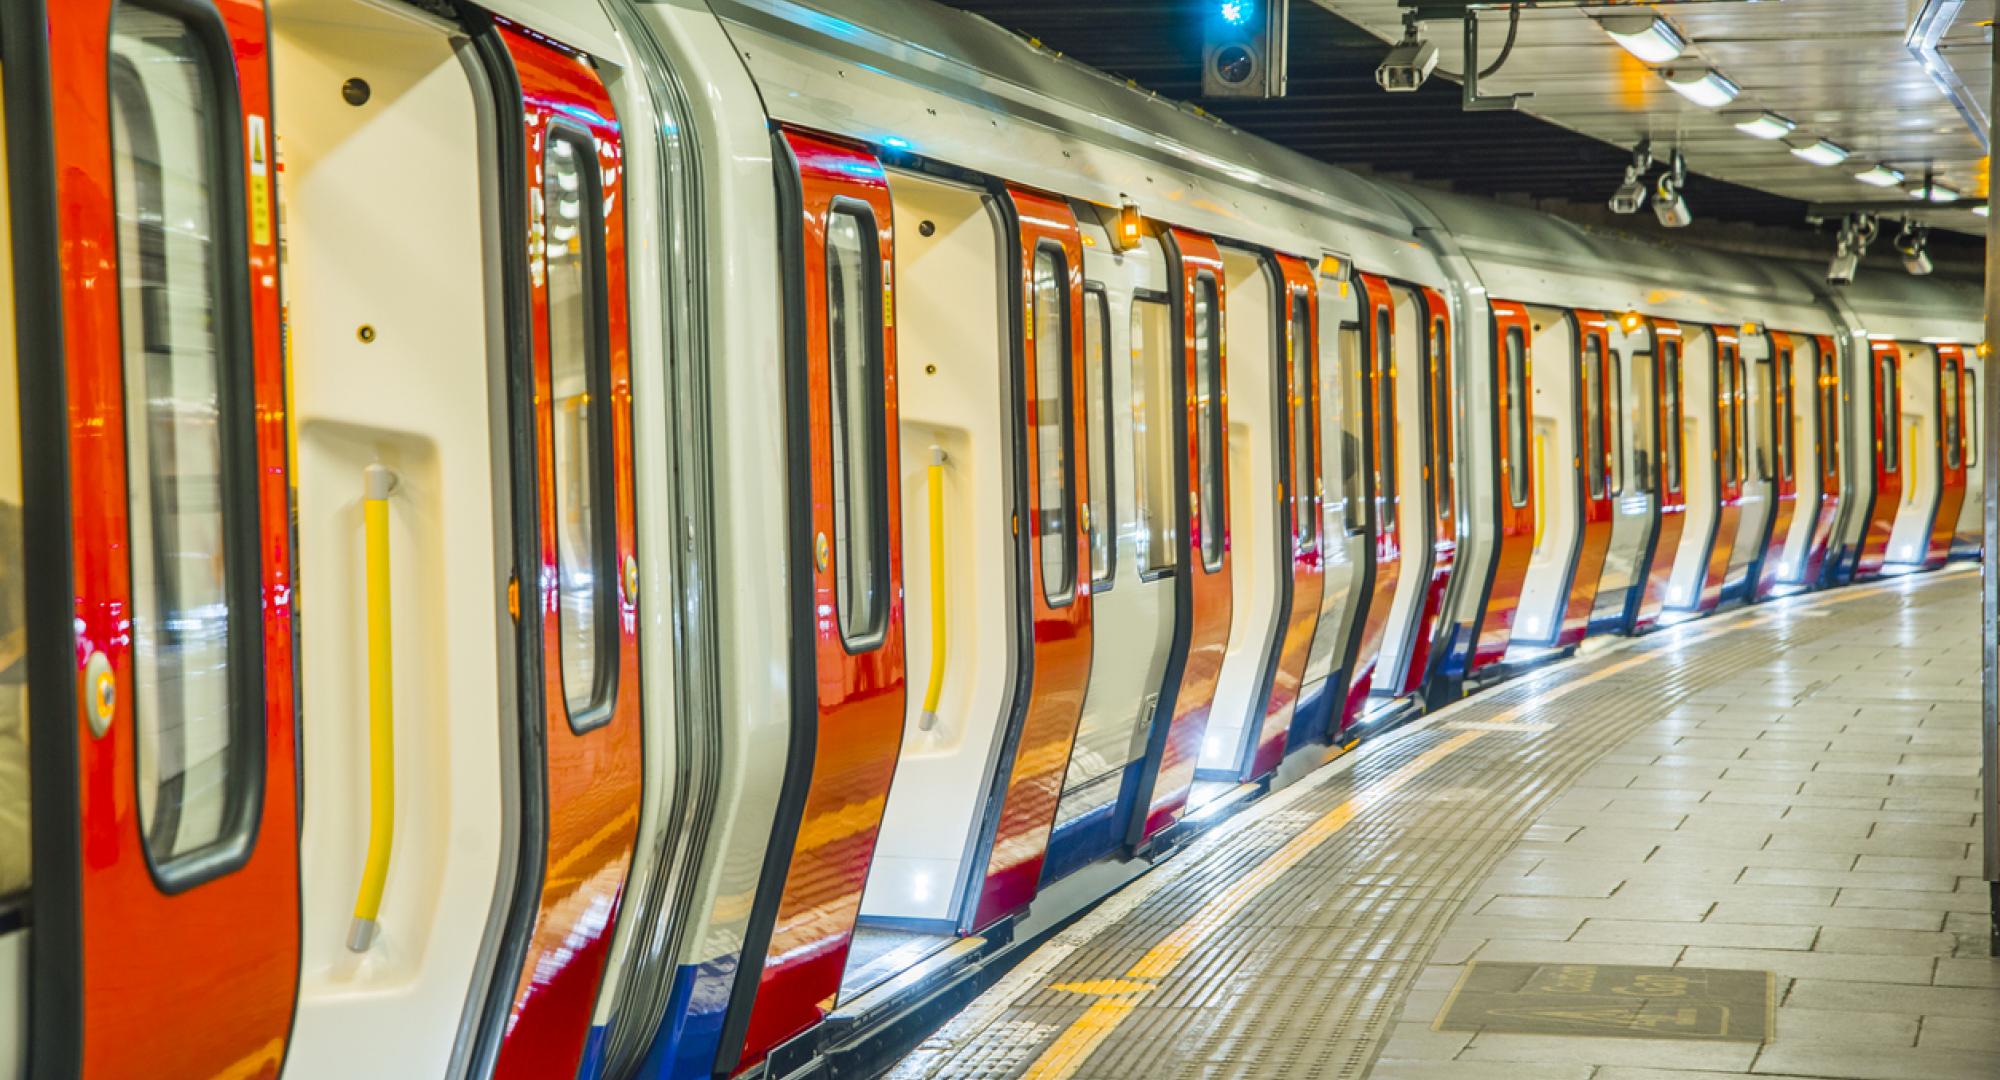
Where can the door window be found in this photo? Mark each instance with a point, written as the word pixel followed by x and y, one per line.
pixel 1670 397
pixel 1725 416
pixel 1953 446
pixel 1970 411
pixel 1054 515
pixel 854 385
pixel 1153 357
pixel 1305 523
pixel 1829 417
pixel 1353 427
pixel 1097 434
pixel 1787 421
pixel 1888 416
pixel 1593 414
pixel 1517 417
pixel 1385 422
pixel 1208 416
pixel 1443 469
pixel 185 349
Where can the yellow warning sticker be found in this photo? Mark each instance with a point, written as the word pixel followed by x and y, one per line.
pixel 260 182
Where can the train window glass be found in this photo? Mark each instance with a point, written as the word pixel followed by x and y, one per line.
pixel 855 406
pixel 1759 418
pixel 1888 417
pixel 1208 417
pixel 1154 353
pixel 1725 415
pixel 1670 424
pixel 1953 455
pixel 1443 469
pixel 579 380
pixel 1640 424
pixel 14 817
pixel 1353 428
pixel 1097 437
pixel 1593 414
pixel 1787 421
pixel 181 352
pixel 1305 519
pixel 1517 417
pixel 1054 515
pixel 1829 413
pixel 1970 410
pixel 1615 369
pixel 1385 423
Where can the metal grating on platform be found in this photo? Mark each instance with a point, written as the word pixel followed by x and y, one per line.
pixel 1284 942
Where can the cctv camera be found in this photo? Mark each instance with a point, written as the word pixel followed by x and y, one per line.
pixel 1841 270
pixel 1918 264
pixel 1407 66
pixel 1913 245
pixel 1669 206
pixel 1629 198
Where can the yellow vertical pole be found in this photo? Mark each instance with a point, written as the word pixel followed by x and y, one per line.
pixel 378 482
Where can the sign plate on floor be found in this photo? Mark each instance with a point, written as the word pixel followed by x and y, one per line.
pixel 1612 1000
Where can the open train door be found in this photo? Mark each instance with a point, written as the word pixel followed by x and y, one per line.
pixel 159 567
pixel 1780 375
pixel 1885 415
pixel 1827 424
pixel 1952 411
pixel 1379 388
pixel 1670 407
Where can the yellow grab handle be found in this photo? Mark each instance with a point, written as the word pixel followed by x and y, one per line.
pixel 935 687
pixel 1541 451
pixel 378 483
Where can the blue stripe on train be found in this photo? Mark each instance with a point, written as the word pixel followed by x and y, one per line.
pixel 686 1045
pixel 1090 836
pixel 592 1065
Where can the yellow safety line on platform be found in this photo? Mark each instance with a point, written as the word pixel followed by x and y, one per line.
pixel 1118 997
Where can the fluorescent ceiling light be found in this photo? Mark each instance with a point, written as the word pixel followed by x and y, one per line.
pixel 1980 210
pixel 1937 193
pixel 1818 151
pixel 1706 87
pixel 1764 125
pixel 1880 176
pixel 1646 36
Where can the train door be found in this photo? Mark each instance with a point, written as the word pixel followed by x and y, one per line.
pixel 1714 456
pixel 1969 535
pixel 1597 461
pixel 1259 549
pixel 1346 546
pixel 1799 466
pixel 848 674
pixel 1762 438
pixel 1953 408
pixel 1301 540
pixel 963 593
pixel 1634 503
pixel 1514 419
pixel 1669 372
pixel 1050 395
pixel 1877 516
pixel 1556 457
pixel 1416 516
pixel 1201 493
pixel 1922 448
pixel 1830 450
pixel 1378 384
pixel 1440 480
pixel 1129 353
pixel 153 518
pixel 500 572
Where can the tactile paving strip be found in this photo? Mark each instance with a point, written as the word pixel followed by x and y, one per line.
pixel 1216 965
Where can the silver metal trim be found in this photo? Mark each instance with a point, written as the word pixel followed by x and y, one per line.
pixel 1927 29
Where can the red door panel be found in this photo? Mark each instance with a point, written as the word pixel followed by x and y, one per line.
pixel 858 680
pixel 1206 557
pixel 1728 460
pixel 1593 363
pixel 1670 405
pixel 1886 391
pixel 1441 475
pixel 1377 336
pixel 1827 422
pixel 1784 472
pixel 591 708
pixel 1513 335
pixel 1951 452
pixel 190 923
pixel 1060 610
pixel 1299 390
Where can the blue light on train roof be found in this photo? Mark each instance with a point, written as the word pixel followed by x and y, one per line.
pixel 895 142
pixel 1237 12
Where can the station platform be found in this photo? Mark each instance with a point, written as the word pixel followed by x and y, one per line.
pixel 1744 845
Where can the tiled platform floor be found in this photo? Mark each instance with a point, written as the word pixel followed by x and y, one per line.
pixel 1791 789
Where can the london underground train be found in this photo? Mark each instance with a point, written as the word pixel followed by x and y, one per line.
pixel 603 538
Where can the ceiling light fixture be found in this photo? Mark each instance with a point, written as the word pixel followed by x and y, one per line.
pixel 1818 151
pixel 1930 191
pixel 1645 36
pixel 1880 176
pixel 1706 87
pixel 1764 125
pixel 1980 210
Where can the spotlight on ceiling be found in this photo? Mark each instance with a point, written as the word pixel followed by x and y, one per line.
pixel 1631 195
pixel 1706 87
pixel 1856 233
pixel 1668 203
pixel 1763 125
pixel 1410 62
pixel 1816 150
pixel 1880 176
pixel 1645 36
pixel 1913 245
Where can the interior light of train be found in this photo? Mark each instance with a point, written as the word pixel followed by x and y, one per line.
pixel 1131 228
pixel 1880 176
pixel 1645 36
pixel 1765 125
pixel 1706 87
pixel 1818 151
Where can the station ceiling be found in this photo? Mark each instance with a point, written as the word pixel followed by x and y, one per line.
pixel 1840 69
